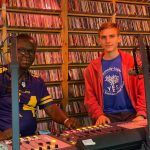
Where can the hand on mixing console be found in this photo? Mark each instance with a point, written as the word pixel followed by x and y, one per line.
pixel 5 135
pixel 138 118
pixel 72 123
pixel 102 120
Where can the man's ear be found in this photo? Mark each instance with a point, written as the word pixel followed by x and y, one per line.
pixel 99 41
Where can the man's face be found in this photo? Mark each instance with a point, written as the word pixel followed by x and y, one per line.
pixel 26 53
pixel 109 39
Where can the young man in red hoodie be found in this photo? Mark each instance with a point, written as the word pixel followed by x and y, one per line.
pixel 111 94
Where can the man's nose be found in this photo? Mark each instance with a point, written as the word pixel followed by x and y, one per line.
pixel 107 39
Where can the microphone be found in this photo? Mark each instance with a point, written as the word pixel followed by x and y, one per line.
pixel 136 70
pixel 135 61
pixel 10 42
pixel 2 59
pixel 148 53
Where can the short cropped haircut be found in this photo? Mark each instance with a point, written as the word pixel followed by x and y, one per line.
pixel 109 25
pixel 27 37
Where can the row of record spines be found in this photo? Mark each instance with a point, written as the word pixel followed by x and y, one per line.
pixel 48 75
pixel 132 9
pixel 57 128
pixel 82 40
pixel 91 40
pixel 82 56
pixel 33 20
pixel 90 7
pixel 94 23
pixel 99 7
pixel 76 73
pixel 53 39
pixel 55 22
pixel 48 58
pixel 91 23
pixel 86 57
pixel 85 6
pixel 55 91
pixel 76 90
pixel 46 39
pixel 75 107
pixel 56 57
pixel 133 25
pixel 74 57
pixel 37 4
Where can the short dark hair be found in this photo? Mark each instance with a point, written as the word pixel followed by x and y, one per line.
pixel 109 25
pixel 27 37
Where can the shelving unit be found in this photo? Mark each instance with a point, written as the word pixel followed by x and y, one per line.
pixel 138 17
pixel 83 25
pixel 45 25
pixel 84 22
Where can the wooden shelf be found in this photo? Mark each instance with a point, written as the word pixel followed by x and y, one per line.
pixel 102 0
pixel 78 65
pixel 81 98
pixel 80 14
pixel 52 83
pixel 33 11
pixel 96 32
pixel 132 17
pixel 132 2
pixel 76 82
pixel 93 49
pixel 47 48
pixel 45 66
pixel 135 33
pixel 23 29
pixel 85 48
pixel 80 31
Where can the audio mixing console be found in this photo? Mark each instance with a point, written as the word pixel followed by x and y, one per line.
pixel 120 136
pixel 37 142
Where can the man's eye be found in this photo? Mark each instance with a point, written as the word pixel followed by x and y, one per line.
pixel 21 50
pixel 26 51
pixel 112 36
pixel 103 37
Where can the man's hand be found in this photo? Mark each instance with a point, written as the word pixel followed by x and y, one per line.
pixel 72 123
pixel 138 118
pixel 5 135
pixel 102 120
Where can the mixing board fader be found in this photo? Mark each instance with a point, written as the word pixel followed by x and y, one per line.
pixel 40 142
pixel 120 136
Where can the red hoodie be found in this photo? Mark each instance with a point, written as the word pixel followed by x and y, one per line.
pixel 94 86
